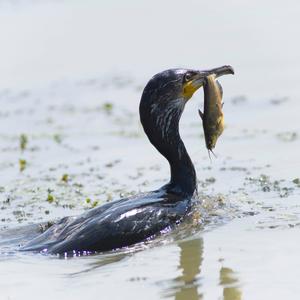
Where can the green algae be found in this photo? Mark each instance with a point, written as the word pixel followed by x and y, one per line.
pixel 22 164
pixel 297 181
pixel 288 136
pixel 65 178
pixel 266 185
pixel 57 138
pixel 23 141
pixel 91 203
pixel 50 198
pixel 107 107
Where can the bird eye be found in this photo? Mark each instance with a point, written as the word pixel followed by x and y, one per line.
pixel 188 76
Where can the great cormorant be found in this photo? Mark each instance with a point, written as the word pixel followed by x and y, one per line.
pixel 127 221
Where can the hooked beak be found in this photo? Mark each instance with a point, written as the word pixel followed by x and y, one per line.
pixel 199 79
pixel 220 71
pixel 224 70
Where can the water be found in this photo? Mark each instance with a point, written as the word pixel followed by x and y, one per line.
pixel 71 77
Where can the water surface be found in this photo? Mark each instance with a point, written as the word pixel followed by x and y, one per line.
pixel 71 77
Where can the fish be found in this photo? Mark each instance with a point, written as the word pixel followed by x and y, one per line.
pixel 212 115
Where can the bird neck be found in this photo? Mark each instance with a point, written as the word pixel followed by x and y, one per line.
pixel 162 130
pixel 183 174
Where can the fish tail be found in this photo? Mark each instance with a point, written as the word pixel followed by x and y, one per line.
pixel 213 153
pixel 208 150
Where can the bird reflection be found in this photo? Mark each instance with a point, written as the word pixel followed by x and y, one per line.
pixel 191 257
pixel 229 282
pixel 99 261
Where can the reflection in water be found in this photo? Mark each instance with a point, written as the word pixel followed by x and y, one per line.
pixel 191 256
pixel 186 285
pixel 101 262
pixel 229 281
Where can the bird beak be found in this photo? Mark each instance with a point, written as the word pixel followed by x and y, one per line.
pixel 224 70
pixel 198 80
pixel 220 71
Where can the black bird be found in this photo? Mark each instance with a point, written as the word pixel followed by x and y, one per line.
pixel 127 221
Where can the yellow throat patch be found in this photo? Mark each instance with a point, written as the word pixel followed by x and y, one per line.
pixel 189 89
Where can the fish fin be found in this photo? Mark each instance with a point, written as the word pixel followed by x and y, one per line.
pixel 220 88
pixel 213 153
pixel 219 120
pixel 200 114
pixel 210 150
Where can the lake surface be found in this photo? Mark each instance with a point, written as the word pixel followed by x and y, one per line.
pixel 71 77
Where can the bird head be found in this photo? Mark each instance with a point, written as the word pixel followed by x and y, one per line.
pixel 167 92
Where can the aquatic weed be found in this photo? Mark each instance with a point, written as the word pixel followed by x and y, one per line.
pixel 91 203
pixel 267 185
pixel 289 136
pixel 65 178
pixel 22 164
pixel 297 181
pixel 107 107
pixel 50 198
pixel 23 141
pixel 57 138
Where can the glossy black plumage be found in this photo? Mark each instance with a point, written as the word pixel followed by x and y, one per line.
pixel 127 221
pixel 113 225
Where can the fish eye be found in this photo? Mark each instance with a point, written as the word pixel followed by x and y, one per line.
pixel 188 76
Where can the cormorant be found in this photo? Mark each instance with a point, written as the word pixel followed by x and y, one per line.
pixel 127 221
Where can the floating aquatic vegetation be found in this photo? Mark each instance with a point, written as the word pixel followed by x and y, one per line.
pixel 65 178
pixel 288 136
pixel 107 107
pixel 113 163
pixel 78 185
pixel 50 198
pixel 57 138
pixel 206 182
pixel 95 203
pixel 23 141
pixel 238 169
pixel 210 180
pixel 267 185
pixel 285 192
pixel 297 181
pixel 109 197
pixel 91 203
pixel 22 164
pixel 43 227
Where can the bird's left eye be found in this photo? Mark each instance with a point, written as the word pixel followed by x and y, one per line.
pixel 188 76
